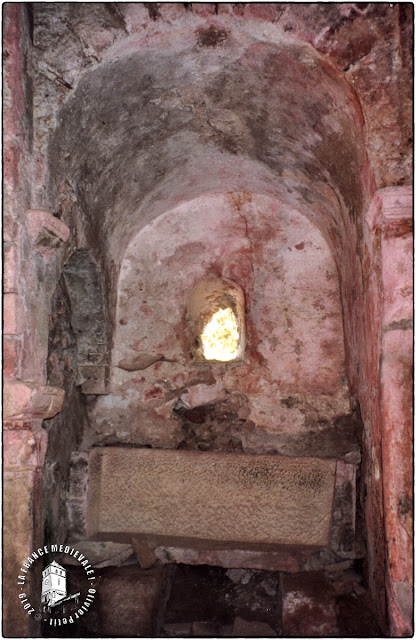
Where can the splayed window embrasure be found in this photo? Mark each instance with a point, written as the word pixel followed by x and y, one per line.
pixel 216 315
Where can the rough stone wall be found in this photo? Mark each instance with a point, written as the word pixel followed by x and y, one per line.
pixel 65 429
pixel 228 603
pixel 88 319
pixel 34 251
pixel 22 495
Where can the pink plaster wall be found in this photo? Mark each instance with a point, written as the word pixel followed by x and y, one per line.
pixel 292 381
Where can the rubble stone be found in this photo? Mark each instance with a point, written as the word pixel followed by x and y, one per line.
pixel 309 607
pixel 252 629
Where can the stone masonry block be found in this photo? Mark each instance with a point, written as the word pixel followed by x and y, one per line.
pixel 286 558
pixel 218 500
pixel 95 371
pixel 391 209
pixel 11 355
pixel 78 475
pixel 19 506
pixel 144 553
pixel 47 232
pixel 12 314
pixel 26 400
pixel 10 277
pixel 96 356
pixel 101 554
pixel 397 276
pixel 10 226
pixel 24 449
pixel 252 629
pixel 95 387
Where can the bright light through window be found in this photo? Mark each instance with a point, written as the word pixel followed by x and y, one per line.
pixel 220 336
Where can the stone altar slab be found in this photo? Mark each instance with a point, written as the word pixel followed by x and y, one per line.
pixel 214 499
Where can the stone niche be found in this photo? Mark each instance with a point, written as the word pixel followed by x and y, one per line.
pixel 215 489
pixel 288 394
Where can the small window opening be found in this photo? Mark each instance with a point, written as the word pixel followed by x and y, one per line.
pixel 220 336
pixel 216 314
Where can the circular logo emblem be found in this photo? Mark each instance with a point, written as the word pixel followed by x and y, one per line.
pixel 57 599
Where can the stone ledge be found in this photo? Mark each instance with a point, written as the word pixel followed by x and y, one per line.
pixel 100 554
pixel 286 559
pixel 24 400
pixel 391 209
pixel 47 232
pixel 187 498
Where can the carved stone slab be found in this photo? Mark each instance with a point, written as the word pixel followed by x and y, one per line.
pixel 209 499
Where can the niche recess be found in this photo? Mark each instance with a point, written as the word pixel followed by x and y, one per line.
pixel 216 315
